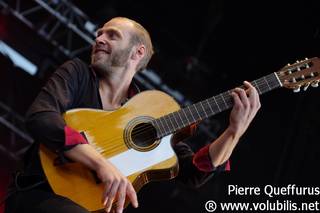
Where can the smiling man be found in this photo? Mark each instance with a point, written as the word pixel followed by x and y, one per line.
pixel 122 48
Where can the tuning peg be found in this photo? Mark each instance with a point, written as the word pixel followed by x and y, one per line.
pixel 306 58
pixel 315 84
pixel 306 86
pixel 297 89
pixel 297 61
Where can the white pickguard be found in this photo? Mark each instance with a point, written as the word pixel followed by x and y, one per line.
pixel 132 161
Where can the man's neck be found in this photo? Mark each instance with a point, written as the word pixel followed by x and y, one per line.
pixel 114 86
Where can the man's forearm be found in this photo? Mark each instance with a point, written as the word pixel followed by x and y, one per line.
pixel 220 150
pixel 86 155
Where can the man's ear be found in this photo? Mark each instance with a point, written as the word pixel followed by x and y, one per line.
pixel 139 52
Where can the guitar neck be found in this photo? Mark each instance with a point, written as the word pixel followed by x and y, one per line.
pixel 175 121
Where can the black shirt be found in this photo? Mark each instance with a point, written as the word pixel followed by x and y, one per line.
pixel 76 85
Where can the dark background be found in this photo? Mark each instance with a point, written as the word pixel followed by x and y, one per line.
pixel 203 48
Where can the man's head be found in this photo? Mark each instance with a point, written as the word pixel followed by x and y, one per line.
pixel 121 42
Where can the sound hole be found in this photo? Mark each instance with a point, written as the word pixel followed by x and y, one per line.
pixel 144 135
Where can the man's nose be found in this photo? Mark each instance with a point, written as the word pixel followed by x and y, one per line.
pixel 101 39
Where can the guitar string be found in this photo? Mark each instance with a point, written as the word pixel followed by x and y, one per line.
pixel 142 130
pixel 225 99
pixel 262 87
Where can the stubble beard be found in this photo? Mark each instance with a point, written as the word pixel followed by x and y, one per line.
pixel 109 63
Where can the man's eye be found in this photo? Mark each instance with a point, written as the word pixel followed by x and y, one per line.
pixel 112 36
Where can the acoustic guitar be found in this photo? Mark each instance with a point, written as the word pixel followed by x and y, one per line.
pixel 137 138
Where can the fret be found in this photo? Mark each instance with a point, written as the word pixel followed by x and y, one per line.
pixel 267 82
pixel 211 106
pixel 216 103
pixel 157 125
pixel 275 82
pixel 166 122
pixel 254 83
pixel 173 127
pixel 185 115
pixel 165 130
pixel 272 82
pixel 204 110
pixel 181 117
pixel 262 85
pixel 230 99
pixel 223 100
pixel 191 113
pixel 199 116
pixel 277 77
pixel 178 125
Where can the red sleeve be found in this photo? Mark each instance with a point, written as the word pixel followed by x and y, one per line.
pixel 203 162
pixel 73 137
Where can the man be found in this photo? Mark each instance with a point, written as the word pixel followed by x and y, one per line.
pixel 122 48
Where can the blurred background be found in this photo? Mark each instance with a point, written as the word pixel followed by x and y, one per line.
pixel 201 49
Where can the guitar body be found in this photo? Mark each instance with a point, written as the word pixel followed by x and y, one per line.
pixel 110 133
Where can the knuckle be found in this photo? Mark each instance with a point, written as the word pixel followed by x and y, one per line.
pixel 117 180
pixel 121 196
pixel 113 190
pixel 110 180
pixel 123 181
pixel 246 104
pixel 242 91
pixel 112 194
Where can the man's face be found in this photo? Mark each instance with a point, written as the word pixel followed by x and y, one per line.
pixel 112 47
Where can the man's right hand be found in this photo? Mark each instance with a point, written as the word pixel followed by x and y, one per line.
pixel 115 186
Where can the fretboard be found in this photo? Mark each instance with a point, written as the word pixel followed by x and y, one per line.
pixel 175 121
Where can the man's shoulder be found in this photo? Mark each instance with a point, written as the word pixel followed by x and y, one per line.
pixel 75 67
pixel 75 63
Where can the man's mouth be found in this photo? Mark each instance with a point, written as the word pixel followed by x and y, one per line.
pixel 102 50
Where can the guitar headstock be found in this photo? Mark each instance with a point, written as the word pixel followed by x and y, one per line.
pixel 301 74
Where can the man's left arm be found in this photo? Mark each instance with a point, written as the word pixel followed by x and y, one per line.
pixel 246 105
pixel 215 156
